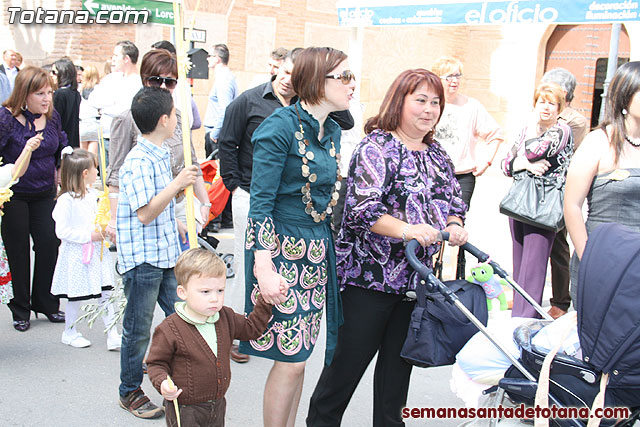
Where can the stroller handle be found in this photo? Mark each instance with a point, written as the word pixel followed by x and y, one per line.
pixel 423 270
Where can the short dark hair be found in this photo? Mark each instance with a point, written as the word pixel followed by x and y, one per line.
pixel 388 117
pixel 129 49
pixel 66 73
pixel 279 53
pixel 293 54
pixel 310 72
pixel 222 52
pixel 156 62
pixel 149 104
pixel 166 45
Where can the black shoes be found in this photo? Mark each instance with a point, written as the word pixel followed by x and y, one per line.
pixel 54 317
pixel 21 325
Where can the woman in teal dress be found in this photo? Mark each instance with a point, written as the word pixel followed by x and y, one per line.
pixel 289 249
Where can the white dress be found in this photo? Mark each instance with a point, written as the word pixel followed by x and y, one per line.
pixel 72 279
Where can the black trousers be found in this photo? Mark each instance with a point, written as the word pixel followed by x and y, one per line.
pixel 560 275
pixel 30 215
pixel 467 185
pixel 374 322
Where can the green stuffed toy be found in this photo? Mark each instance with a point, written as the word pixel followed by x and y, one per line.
pixel 483 275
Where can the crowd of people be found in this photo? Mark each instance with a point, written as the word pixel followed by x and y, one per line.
pixel 279 146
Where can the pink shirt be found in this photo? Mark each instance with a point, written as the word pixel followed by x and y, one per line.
pixel 460 127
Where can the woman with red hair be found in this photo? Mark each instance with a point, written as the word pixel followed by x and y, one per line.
pixel 401 186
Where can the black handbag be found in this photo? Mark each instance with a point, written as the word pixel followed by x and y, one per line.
pixel 536 200
pixel 438 330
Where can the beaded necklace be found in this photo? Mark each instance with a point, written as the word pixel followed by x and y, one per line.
pixel 307 200
pixel 633 141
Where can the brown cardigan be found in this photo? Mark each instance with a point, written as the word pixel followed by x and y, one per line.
pixel 179 350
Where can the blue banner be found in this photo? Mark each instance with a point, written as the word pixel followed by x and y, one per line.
pixel 374 13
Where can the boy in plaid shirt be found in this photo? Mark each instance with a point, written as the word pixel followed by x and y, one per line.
pixel 147 238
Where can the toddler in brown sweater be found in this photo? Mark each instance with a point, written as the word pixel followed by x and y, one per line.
pixel 192 345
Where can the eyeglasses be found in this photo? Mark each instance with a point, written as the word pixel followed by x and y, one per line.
pixel 345 77
pixel 156 81
pixel 452 76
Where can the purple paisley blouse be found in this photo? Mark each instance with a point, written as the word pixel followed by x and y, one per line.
pixel 385 177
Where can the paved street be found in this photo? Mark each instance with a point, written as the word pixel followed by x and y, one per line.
pixel 46 383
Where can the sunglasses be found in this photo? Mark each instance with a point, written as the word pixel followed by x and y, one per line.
pixel 156 81
pixel 345 77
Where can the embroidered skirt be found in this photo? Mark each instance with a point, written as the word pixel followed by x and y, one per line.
pixel 306 259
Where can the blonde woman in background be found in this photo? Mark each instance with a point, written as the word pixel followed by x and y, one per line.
pixel 464 122
pixel 89 116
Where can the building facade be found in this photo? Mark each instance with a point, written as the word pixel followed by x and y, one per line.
pixel 503 63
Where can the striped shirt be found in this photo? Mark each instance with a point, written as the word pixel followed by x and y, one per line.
pixel 145 172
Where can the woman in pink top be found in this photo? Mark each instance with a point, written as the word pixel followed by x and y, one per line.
pixel 463 123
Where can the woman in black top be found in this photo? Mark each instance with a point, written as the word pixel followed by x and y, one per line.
pixel 66 99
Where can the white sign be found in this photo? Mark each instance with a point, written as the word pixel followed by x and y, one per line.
pixel 195 35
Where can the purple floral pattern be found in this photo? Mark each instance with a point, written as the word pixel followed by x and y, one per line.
pixel 418 187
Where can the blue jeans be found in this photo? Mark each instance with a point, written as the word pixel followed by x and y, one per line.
pixel 143 286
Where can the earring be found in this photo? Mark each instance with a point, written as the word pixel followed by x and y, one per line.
pixel 24 108
pixel 624 111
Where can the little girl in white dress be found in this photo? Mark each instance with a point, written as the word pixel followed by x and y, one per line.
pixel 83 271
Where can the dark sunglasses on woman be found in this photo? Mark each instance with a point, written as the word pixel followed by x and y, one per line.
pixel 156 81
pixel 345 77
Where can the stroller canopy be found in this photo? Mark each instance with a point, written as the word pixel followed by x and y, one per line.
pixel 608 304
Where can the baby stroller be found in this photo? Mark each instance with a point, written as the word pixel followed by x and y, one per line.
pixel 218 196
pixel 607 327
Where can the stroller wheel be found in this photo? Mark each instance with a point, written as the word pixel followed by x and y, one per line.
pixel 228 260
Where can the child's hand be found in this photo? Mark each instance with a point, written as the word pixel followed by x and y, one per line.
pixel 187 176
pixel 284 289
pixel 168 392
pixel 34 142
pixel 273 286
pixel 96 236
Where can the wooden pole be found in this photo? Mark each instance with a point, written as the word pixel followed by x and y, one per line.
pixel 184 108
